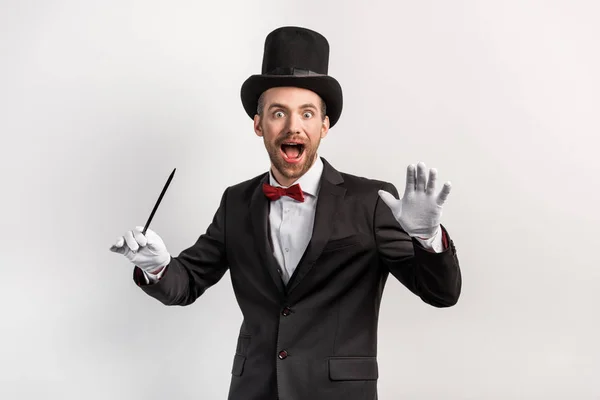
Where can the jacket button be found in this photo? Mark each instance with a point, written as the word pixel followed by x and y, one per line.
pixel 282 354
pixel 286 311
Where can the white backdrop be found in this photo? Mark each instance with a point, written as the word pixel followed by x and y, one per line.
pixel 99 101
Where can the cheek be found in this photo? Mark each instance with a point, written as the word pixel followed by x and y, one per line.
pixel 270 137
pixel 271 129
pixel 315 131
pixel 266 132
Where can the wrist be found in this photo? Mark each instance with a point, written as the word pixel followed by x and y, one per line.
pixel 429 237
pixel 156 265
pixel 156 270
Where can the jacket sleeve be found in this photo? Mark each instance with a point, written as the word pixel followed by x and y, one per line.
pixel 434 277
pixel 197 268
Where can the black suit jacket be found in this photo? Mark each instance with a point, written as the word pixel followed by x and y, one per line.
pixel 316 337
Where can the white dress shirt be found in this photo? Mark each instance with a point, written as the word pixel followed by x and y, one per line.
pixel 291 223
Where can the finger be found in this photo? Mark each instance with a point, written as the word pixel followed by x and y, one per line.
pixel 140 238
pixel 119 250
pixel 389 199
pixel 421 177
pixel 444 193
pixel 431 181
pixel 117 247
pixel 154 242
pixel 131 242
pixel 410 179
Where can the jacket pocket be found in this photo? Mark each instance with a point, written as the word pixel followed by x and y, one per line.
pixel 341 243
pixel 238 365
pixel 353 368
pixel 243 343
pixel 241 350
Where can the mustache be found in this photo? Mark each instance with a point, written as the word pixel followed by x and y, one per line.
pixel 291 137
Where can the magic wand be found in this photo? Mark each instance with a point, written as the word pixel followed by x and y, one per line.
pixel 158 201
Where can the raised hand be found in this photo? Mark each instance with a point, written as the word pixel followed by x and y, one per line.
pixel 420 209
pixel 145 251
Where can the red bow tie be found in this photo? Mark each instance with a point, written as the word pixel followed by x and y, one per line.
pixel 274 192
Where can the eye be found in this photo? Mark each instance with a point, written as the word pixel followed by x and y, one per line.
pixel 278 114
pixel 308 114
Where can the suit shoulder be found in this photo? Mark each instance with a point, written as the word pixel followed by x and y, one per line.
pixel 363 184
pixel 247 187
pixel 365 190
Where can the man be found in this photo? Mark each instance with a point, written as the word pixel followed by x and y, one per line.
pixel 308 248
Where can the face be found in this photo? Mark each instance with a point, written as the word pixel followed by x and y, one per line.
pixel 292 127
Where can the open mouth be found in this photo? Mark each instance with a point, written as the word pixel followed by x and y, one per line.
pixel 292 152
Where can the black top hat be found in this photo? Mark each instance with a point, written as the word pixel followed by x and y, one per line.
pixel 296 57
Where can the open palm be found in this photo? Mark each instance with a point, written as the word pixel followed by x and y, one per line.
pixel 419 211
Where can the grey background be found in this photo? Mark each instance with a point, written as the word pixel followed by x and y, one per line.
pixel 99 101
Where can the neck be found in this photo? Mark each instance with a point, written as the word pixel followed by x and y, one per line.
pixel 283 181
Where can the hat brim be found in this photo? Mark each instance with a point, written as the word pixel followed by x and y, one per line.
pixel 325 86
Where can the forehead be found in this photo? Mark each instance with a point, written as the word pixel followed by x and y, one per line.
pixel 291 96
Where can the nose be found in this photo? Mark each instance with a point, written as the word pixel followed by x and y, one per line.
pixel 294 124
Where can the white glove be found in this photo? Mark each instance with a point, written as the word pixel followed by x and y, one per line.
pixel 420 210
pixel 145 251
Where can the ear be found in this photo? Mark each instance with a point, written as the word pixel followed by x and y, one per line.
pixel 257 127
pixel 325 127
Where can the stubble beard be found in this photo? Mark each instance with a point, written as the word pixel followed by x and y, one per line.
pixel 292 171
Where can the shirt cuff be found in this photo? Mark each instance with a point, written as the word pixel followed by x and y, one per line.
pixel 154 276
pixel 436 242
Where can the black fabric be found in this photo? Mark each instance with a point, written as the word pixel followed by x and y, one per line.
pixel 353 368
pixel 298 57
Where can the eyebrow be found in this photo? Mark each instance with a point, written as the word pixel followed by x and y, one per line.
pixel 279 105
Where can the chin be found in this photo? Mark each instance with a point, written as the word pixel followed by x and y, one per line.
pixel 292 170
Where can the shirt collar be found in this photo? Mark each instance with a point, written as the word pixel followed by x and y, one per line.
pixel 309 182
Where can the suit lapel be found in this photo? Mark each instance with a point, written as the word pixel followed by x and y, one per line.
pixel 259 214
pixel 329 200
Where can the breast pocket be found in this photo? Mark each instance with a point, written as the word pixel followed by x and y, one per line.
pixel 341 243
